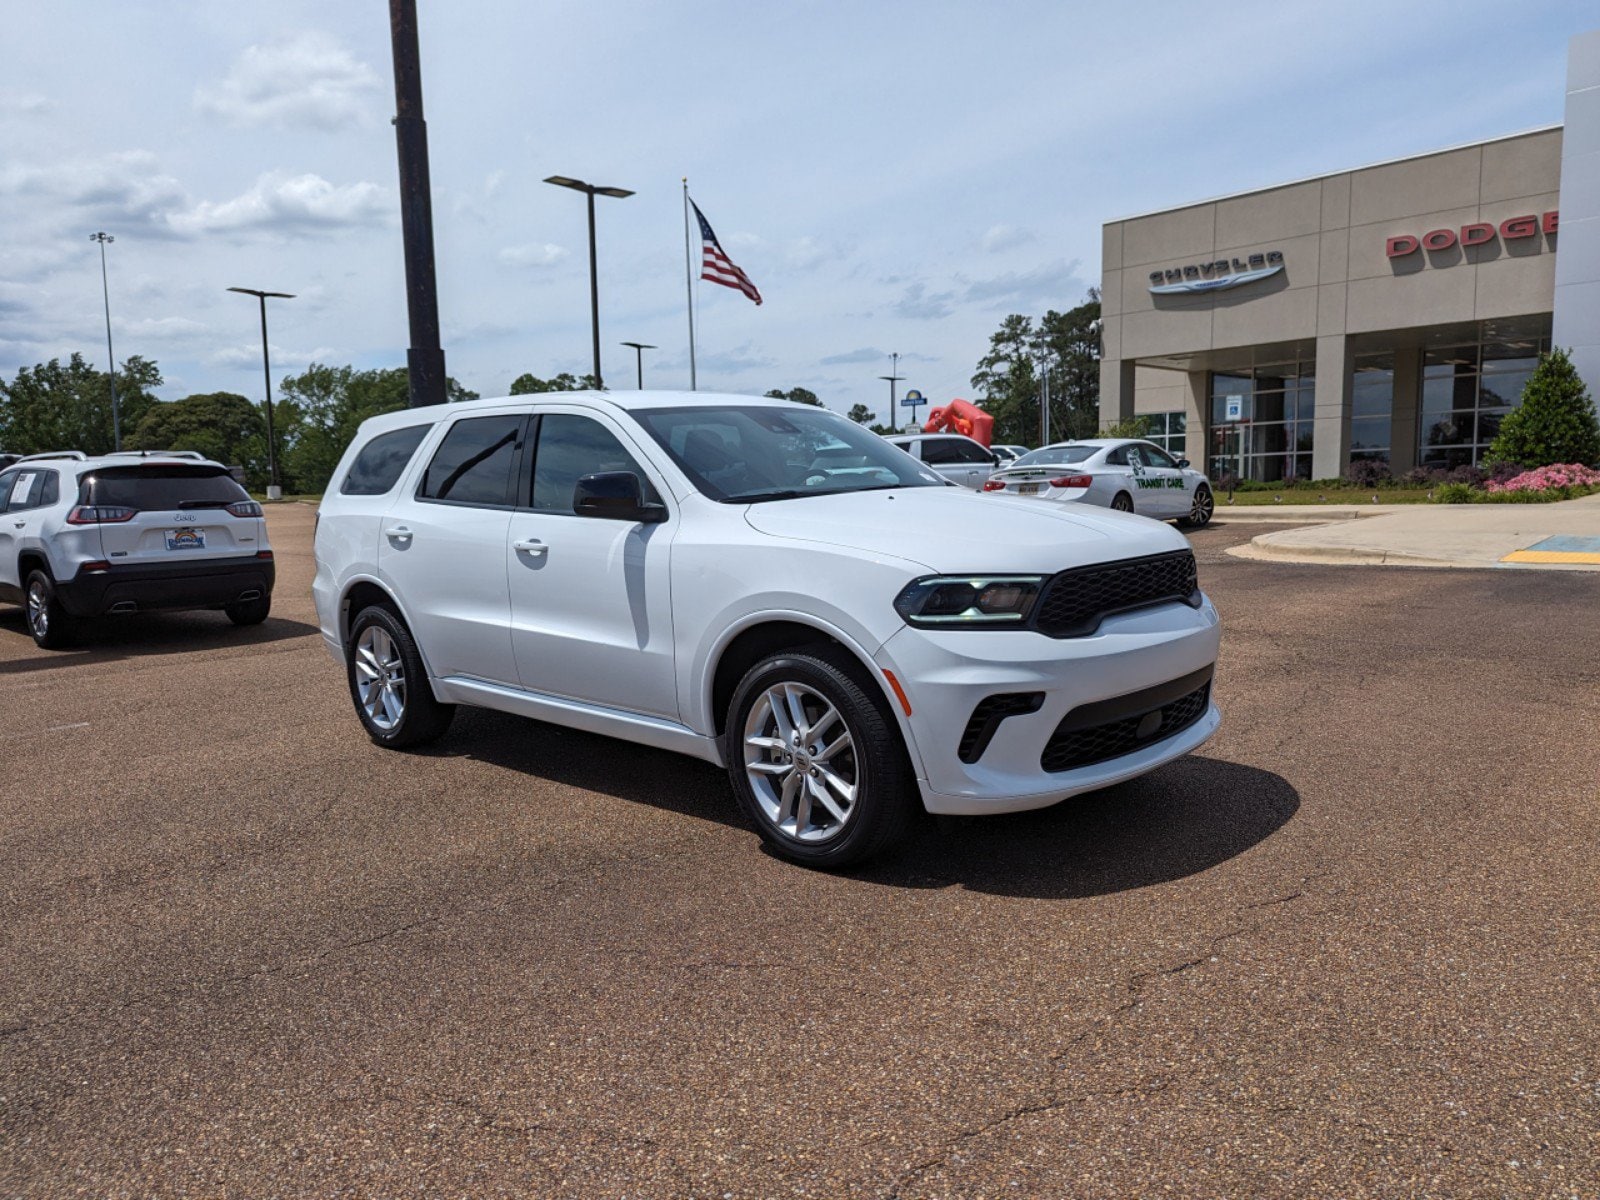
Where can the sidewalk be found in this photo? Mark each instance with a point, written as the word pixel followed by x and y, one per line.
pixel 1553 537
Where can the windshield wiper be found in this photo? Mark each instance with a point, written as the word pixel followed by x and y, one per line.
pixel 769 494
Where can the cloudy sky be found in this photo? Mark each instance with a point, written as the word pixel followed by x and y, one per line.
pixel 894 176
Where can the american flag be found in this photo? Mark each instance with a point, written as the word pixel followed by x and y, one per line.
pixel 716 265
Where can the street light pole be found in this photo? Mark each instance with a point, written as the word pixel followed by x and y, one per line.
pixel 893 377
pixel 638 358
pixel 274 484
pixel 591 191
pixel 105 286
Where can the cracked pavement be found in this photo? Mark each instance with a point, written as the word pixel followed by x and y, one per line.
pixel 1348 950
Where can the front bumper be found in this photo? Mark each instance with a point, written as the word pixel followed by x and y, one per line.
pixel 946 674
pixel 190 583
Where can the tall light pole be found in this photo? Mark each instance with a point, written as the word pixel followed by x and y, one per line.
pixel 638 358
pixel 590 190
pixel 893 377
pixel 274 484
pixel 105 287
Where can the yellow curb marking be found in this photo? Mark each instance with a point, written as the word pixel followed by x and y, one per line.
pixel 1552 556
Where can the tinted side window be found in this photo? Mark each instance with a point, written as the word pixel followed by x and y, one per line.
pixel 7 479
pixel 473 463
pixel 571 447
pixel 1117 457
pixel 938 452
pixel 968 452
pixel 382 461
pixel 1154 457
pixel 162 487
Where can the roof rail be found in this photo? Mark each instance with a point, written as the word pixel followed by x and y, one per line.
pixel 194 455
pixel 75 455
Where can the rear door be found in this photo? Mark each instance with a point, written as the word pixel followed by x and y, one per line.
pixel 175 511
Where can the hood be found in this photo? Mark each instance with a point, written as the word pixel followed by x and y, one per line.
pixel 955 530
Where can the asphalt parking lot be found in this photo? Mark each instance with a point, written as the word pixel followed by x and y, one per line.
pixel 1350 949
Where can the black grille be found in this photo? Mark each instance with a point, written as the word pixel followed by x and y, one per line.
pixel 1076 601
pixel 986 717
pixel 1093 733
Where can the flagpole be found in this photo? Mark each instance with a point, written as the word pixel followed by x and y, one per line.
pixel 688 282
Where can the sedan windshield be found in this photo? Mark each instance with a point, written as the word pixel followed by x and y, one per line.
pixel 746 453
pixel 1057 456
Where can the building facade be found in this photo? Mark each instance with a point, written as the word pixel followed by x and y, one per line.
pixel 1392 312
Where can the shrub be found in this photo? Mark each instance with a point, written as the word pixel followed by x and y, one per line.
pixel 1367 472
pixel 1228 481
pixel 1499 472
pixel 1469 475
pixel 1555 423
pixel 1543 479
pixel 1425 477
pixel 1456 493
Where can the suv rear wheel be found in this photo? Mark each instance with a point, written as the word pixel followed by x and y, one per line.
pixel 52 627
pixel 389 684
pixel 816 761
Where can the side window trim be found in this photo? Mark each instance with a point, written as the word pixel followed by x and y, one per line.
pixel 508 501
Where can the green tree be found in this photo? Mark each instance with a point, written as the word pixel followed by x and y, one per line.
pixel 861 415
pixel 1555 422
pixel 56 407
pixel 799 395
pixel 1063 346
pixel 221 425
pixel 529 384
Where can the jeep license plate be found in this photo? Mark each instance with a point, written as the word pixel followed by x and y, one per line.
pixel 186 539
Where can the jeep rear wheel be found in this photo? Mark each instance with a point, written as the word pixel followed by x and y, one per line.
pixel 52 627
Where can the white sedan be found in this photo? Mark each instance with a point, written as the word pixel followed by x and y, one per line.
pixel 1121 473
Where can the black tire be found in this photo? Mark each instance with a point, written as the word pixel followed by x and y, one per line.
pixel 249 612
pixel 875 762
pixel 50 625
pixel 417 718
pixel 1122 502
pixel 1200 511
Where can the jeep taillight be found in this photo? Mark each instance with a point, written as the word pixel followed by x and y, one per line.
pixel 100 514
pixel 245 508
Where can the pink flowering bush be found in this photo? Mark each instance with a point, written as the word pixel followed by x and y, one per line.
pixel 1559 475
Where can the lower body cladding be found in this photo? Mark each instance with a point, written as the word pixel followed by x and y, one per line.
pixel 190 583
pixel 1003 721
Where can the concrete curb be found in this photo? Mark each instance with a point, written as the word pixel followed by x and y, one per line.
pixel 1261 549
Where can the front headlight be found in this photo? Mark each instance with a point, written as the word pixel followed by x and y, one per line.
pixel 969 601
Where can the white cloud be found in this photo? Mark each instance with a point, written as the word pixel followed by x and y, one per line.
pixel 283 203
pixel 536 254
pixel 164 329
pixel 1004 237
pixel 24 104
pixel 249 355
pixel 117 190
pixel 308 80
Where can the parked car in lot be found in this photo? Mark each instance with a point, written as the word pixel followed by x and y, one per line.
pixel 82 537
pixel 1006 453
pixel 721 576
pixel 1121 473
pixel 958 458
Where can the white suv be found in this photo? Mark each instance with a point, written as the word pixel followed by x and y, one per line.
pixel 766 586
pixel 83 537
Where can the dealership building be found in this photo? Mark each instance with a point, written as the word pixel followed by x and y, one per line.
pixel 1390 312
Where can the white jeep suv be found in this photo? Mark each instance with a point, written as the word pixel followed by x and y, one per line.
pixel 768 587
pixel 84 537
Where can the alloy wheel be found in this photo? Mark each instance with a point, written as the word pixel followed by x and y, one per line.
pixel 380 678
pixel 799 756
pixel 1200 511
pixel 38 610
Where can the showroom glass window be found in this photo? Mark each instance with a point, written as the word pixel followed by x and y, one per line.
pixel 1371 407
pixel 1467 390
pixel 1272 438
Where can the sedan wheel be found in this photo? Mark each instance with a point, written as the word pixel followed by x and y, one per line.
pixel 1202 508
pixel 1123 502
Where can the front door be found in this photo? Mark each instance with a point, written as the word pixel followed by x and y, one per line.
pixel 443 550
pixel 591 605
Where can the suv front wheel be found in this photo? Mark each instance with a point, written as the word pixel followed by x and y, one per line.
pixel 816 761
pixel 389 684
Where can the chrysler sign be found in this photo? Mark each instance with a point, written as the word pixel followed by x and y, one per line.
pixel 1216 275
pixel 1479 233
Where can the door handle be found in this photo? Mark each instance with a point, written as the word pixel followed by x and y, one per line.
pixel 399 534
pixel 530 546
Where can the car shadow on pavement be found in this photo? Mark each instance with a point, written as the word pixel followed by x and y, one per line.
pixel 1179 820
pixel 137 636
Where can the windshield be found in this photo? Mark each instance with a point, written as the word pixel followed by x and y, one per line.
pixel 1057 456
pixel 742 454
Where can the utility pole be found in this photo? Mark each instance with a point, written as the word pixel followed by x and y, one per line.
pixel 116 413
pixel 893 377
pixel 425 358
